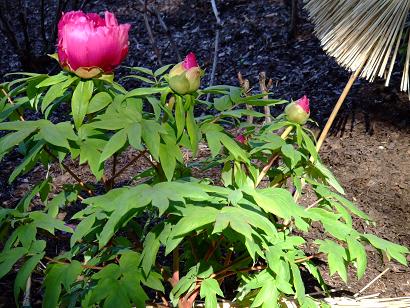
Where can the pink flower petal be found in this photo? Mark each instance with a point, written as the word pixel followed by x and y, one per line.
pixel 87 40
pixel 190 61
pixel 304 103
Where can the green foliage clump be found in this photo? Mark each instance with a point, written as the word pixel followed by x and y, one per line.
pixel 169 234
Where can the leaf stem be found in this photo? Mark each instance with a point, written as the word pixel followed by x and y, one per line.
pixel 66 168
pixel 273 158
pixel 10 100
pixel 82 265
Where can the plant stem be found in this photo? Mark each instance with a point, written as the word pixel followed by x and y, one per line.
pixel 121 171
pixel 212 248
pixel 66 168
pixel 175 266
pixel 83 266
pixel 265 169
pixel 9 99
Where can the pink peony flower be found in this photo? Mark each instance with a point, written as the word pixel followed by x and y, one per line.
pixel 185 77
pixel 298 111
pixel 89 45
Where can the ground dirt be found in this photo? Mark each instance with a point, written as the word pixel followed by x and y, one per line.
pixel 369 148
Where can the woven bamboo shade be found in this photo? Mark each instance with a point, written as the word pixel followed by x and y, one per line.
pixel 373 32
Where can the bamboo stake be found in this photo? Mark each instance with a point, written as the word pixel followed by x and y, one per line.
pixel 336 109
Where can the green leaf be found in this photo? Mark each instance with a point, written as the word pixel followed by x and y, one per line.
pixel 9 257
pixel 57 275
pixel 179 116
pixel 142 70
pixel 151 135
pixel 277 201
pixel 52 80
pixel 357 252
pixel 80 101
pixel 162 70
pixel 28 161
pixel 297 282
pixel 194 217
pixel 14 139
pixel 392 250
pixel 167 160
pixel 98 102
pixel 143 92
pixel 149 253
pixel 290 152
pixel 44 221
pixel 193 130
pixel 233 148
pixel 21 125
pixel 214 144
pixel 267 295
pixel 142 78
pixel 82 229
pixel 90 152
pixel 55 92
pixel 24 273
pixel 209 289
pixel 116 142
pixel 336 257
pixel 54 136
pixel 134 133
pixel 24 202
pixel 222 103
pixel 330 178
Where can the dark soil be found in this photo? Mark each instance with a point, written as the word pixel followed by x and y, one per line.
pixel 370 147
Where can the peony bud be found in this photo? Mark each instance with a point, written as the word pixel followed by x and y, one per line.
pixel 89 45
pixel 298 111
pixel 241 139
pixel 185 77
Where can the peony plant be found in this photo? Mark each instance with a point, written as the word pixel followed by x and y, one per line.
pixel 163 232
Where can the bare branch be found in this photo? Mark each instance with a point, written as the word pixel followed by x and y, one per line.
pixel 264 88
pixel 244 83
pixel 149 31
pixel 216 44
pixel 167 32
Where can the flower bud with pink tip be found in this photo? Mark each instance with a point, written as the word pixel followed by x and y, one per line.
pixel 298 111
pixel 241 139
pixel 185 77
pixel 89 45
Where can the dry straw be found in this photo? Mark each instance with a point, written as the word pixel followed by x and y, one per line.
pixel 364 31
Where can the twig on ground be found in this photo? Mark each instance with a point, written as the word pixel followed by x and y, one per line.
pixel 216 44
pixel 167 31
pixel 244 84
pixel 26 297
pixel 149 31
pixel 372 282
pixel 264 88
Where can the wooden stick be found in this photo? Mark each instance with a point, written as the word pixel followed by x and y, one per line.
pixel 336 109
